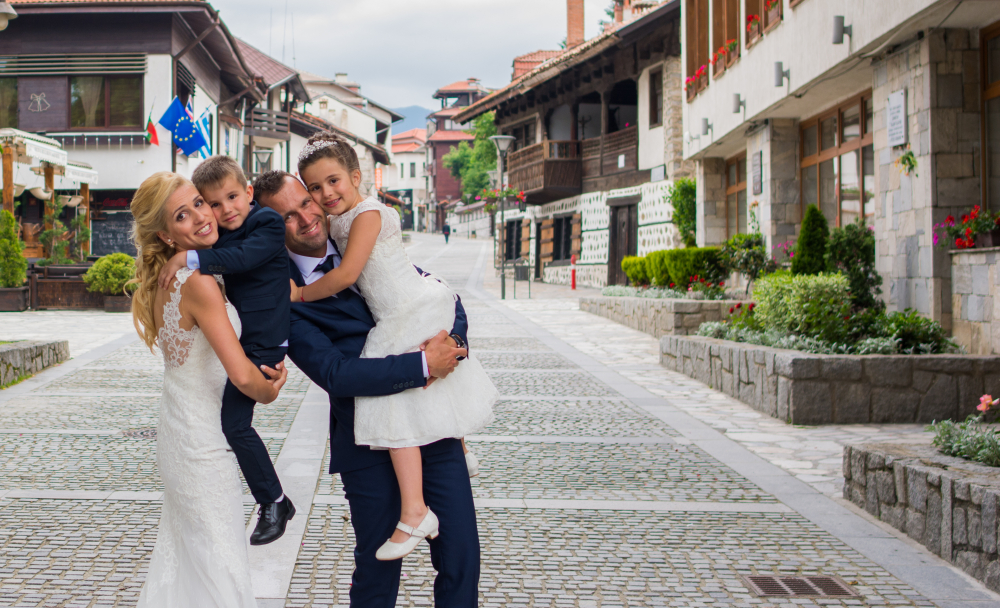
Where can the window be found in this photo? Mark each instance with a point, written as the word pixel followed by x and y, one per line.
pixel 512 235
pixel 655 98
pixel 8 103
pixel 736 196
pixel 323 105
pixel 413 169
pixel 562 238
pixel 524 135
pixel 697 46
pixel 838 162
pixel 402 170
pixel 772 13
pixel 990 48
pixel 754 21
pixel 725 34
pixel 105 102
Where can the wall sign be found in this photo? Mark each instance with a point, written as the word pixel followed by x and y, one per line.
pixel 896 118
pixel 756 172
pixel 42 103
pixel 112 234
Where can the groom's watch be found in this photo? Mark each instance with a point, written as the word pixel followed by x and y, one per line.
pixel 459 343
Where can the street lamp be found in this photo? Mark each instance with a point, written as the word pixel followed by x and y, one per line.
pixel 263 156
pixel 7 13
pixel 503 143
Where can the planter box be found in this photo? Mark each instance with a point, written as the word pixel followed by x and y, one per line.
pixel 947 504
pixel 117 304
pixel 63 293
pixel 990 239
pixel 13 299
pixel 29 357
pixel 658 317
pixel 802 388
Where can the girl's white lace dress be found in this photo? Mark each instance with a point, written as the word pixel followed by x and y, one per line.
pixel 200 558
pixel 409 309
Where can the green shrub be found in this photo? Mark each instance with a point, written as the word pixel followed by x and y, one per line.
pixel 811 306
pixel 747 255
pixel 915 335
pixel 684 264
pixel 970 439
pixel 656 268
pixel 634 268
pixel 810 250
pixel 851 251
pixel 13 264
pixel 682 195
pixel 109 274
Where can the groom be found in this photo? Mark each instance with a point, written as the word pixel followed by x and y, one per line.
pixel 325 343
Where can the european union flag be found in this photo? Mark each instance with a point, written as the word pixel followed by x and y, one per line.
pixel 186 135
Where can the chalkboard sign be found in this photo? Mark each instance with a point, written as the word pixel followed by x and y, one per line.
pixel 112 234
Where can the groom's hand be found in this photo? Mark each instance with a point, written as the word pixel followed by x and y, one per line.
pixel 178 261
pixel 442 356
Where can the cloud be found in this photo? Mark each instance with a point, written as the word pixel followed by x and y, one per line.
pixel 401 51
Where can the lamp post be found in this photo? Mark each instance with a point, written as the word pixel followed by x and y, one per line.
pixel 263 156
pixel 503 143
pixel 7 13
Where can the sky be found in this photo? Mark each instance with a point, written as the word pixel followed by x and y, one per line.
pixel 401 51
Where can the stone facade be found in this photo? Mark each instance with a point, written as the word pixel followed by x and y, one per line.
pixel 778 205
pixel 586 275
pixel 974 280
pixel 941 77
pixel 658 317
pixel 673 121
pixel 802 388
pixel 949 505
pixel 28 357
pixel 711 197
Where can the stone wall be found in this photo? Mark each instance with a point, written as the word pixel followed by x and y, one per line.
pixel 974 280
pixel 941 77
pixel 673 121
pixel 587 275
pixel 802 388
pixel 949 505
pixel 711 201
pixel 28 357
pixel 658 317
pixel 778 210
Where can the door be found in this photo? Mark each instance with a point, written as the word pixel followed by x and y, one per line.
pixel 624 240
pixel 538 250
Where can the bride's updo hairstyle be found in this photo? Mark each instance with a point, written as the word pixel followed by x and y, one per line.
pixel 328 145
pixel 149 211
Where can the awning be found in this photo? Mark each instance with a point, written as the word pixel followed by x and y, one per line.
pixel 29 147
pixel 80 172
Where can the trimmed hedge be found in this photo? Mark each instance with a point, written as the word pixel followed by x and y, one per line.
pixel 682 264
pixel 634 268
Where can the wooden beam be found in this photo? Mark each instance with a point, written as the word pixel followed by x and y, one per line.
pixel 50 186
pixel 208 30
pixel 84 208
pixel 8 178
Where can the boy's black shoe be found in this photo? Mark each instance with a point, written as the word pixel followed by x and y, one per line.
pixel 273 518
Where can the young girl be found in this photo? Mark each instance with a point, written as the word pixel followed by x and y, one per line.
pixel 408 309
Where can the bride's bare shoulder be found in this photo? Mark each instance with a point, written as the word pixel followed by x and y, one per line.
pixel 202 289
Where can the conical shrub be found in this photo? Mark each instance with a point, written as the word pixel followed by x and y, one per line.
pixel 810 249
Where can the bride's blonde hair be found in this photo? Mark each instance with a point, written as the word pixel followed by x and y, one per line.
pixel 149 211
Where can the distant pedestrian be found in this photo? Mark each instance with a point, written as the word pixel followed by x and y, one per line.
pixel 446 229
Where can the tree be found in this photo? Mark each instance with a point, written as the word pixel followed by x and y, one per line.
pixel 810 250
pixel 12 262
pixel 471 163
pixel 682 197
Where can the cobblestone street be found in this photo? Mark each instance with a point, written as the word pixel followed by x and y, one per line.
pixel 606 480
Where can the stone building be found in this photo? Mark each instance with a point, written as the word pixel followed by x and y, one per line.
pixel 814 102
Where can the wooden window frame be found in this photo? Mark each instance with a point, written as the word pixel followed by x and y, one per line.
pixel 698 29
pixel 725 26
pixel 838 149
pixel 740 160
pixel 773 17
pixel 987 93
pixel 655 75
pixel 794 3
pixel 107 103
pixel 752 7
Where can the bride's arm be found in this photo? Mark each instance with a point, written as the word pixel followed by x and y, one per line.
pixel 203 301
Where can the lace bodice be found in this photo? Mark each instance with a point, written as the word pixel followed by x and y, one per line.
pixel 174 340
pixel 388 282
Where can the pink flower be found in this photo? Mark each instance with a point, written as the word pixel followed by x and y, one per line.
pixel 936 238
pixel 985 403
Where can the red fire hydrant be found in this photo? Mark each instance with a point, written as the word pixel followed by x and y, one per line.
pixel 572 271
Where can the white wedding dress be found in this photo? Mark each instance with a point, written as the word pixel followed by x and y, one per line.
pixel 409 309
pixel 200 557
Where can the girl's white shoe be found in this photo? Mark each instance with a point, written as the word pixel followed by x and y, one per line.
pixel 473 463
pixel 428 528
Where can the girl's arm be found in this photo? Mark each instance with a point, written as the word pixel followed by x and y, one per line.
pixel 203 301
pixel 360 242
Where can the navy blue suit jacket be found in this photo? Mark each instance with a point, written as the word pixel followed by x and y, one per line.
pixel 326 340
pixel 254 263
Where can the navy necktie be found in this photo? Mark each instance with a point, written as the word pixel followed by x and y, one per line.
pixel 327 264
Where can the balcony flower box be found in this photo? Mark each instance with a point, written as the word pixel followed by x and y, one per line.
pixel 772 13
pixel 754 29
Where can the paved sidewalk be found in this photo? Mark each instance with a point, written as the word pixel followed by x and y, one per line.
pixel 600 484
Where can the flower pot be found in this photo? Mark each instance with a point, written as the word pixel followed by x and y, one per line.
pixel 753 33
pixel 13 299
pixel 990 239
pixel 773 16
pixel 117 304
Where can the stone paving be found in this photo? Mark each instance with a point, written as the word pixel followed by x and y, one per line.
pixel 587 498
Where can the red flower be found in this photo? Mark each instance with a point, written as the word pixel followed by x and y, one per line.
pixel 958 243
pixel 965 219
pixel 739 305
pixel 751 306
pixel 950 220
pixel 722 284
pixel 847 318
pixel 968 232
pixel 671 285
pixel 731 309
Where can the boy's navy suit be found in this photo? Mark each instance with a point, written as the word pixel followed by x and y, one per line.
pixel 326 340
pixel 254 264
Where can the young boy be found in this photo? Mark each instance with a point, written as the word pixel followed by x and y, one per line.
pixel 251 256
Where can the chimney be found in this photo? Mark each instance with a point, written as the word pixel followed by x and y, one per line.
pixel 618 12
pixel 574 23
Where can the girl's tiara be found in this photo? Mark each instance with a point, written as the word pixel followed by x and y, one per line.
pixel 315 147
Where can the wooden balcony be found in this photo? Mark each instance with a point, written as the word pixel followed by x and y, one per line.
pixel 270 124
pixel 616 152
pixel 546 171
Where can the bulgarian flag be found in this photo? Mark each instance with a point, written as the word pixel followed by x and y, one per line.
pixel 151 130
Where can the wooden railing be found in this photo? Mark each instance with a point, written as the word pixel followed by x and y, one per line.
pixel 601 155
pixel 269 123
pixel 552 166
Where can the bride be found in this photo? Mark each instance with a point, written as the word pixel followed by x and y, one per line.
pixel 200 557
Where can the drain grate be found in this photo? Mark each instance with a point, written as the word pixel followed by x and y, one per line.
pixel 799 586
pixel 146 433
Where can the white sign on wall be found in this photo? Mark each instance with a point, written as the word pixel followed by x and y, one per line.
pixel 896 118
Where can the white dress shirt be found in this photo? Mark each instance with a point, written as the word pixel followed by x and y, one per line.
pixel 309 269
